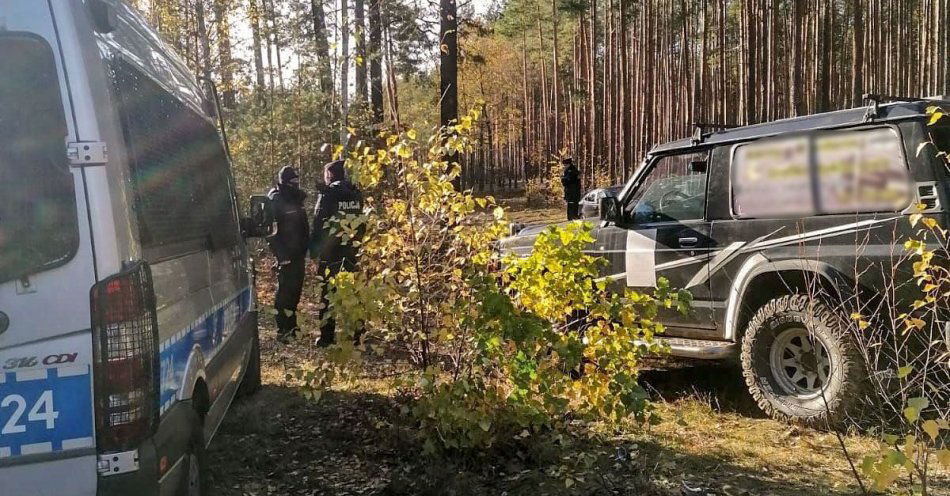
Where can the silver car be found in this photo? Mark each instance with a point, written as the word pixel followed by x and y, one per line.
pixel 590 204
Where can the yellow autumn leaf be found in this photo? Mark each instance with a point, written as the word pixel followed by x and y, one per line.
pixel 911 414
pixel 932 429
pixel 943 456
pixel 904 371
pixel 884 477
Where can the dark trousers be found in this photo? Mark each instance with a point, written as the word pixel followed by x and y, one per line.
pixel 290 278
pixel 327 271
pixel 573 210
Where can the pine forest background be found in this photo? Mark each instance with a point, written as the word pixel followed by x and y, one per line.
pixel 601 81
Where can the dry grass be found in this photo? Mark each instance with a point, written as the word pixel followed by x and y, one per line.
pixel 519 212
pixel 354 441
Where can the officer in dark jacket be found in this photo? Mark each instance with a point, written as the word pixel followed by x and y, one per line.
pixel 571 181
pixel 339 199
pixel 289 245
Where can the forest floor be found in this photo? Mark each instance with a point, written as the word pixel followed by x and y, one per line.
pixel 519 212
pixel 355 441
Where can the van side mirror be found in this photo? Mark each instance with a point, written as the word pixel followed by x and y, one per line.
pixel 260 220
pixel 697 167
pixel 104 17
pixel 610 209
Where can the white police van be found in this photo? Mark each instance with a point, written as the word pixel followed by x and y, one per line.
pixel 127 321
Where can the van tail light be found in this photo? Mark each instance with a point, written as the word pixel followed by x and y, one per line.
pixel 126 366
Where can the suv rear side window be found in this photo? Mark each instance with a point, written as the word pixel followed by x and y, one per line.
pixel 826 173
pixel 38 219
pixel 179 168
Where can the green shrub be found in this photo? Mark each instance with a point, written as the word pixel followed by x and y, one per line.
pixel 502 347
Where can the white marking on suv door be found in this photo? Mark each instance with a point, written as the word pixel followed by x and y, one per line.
pixel 641 258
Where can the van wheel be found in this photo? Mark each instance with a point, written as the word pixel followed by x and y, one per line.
pixel 252 377
pixel 799 362
pixel 195 482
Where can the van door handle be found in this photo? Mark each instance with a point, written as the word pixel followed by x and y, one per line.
pixel 688 242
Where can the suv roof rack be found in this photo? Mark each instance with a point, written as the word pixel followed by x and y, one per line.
pixel 874 101
pixel 700 130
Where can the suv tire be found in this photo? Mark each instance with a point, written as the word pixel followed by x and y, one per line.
pixel 799 362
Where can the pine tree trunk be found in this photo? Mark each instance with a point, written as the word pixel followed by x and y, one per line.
pixel 448 62
pixel 857 54
pixel 376 59
pixel 344 68
pixel 225 61
pixel 255 15
pixel 360 31
pixel 555 79
pixel 322 44
pixel 276 35
pixel 204 41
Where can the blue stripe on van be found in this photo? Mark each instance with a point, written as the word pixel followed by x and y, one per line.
pixel 208 332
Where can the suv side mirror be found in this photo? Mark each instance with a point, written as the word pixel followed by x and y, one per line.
pixel 697 167
pixel 260 220
pixel 610 209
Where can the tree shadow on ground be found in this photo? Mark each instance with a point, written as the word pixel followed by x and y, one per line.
pixel 276 442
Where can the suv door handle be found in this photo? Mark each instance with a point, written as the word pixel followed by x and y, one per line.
pixel 688 242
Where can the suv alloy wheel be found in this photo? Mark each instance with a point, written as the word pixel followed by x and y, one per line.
pixel 799 362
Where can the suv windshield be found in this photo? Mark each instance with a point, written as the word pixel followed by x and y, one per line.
pixel 940 135
pixel 38 223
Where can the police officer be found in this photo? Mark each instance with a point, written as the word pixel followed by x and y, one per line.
pixel 289 245
pixel 571 181
pixel 338 199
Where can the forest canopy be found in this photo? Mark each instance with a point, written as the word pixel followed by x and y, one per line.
pixel 599 80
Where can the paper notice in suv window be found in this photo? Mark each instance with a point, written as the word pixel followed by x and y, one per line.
pixel 861 171
pixel 771 178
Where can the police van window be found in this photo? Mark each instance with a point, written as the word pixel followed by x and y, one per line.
pixel 179 169
pixel 38 219
pixel 673 190
pixel 826 173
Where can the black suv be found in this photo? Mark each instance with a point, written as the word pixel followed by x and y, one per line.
pixel 751 219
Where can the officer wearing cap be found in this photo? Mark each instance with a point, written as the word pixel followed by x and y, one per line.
pixel 339 199
pixel 289 245
pixel 571 181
